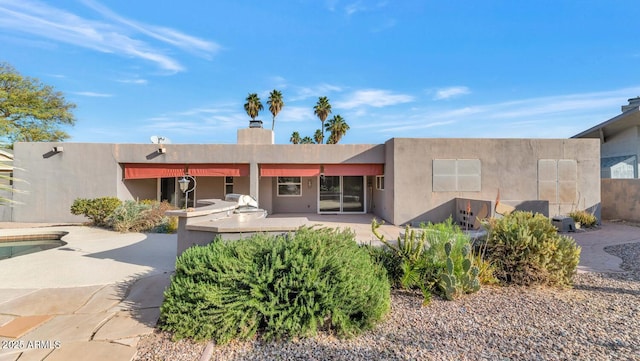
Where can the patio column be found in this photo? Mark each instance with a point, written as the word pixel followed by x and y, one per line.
pixel 254 180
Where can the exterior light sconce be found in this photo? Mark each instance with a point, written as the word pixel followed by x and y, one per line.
pixel 58 149
pixel 184 184
pixel 162 150
pixel 309 183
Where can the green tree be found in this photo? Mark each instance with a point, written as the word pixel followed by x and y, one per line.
pixel 317 136
pixel 322 109
pixel 338 128
pixel 253 105
pixel 306 140
pixel 31 111
pixel 276 104
pixel 295 138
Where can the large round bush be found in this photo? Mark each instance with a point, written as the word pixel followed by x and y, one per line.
pixel 283 286
pixel 526 249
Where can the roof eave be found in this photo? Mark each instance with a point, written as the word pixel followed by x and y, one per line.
pixel 594 132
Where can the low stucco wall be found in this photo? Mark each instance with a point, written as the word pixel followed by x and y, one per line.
pixel 621 199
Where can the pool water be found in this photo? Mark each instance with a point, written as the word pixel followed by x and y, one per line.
pixel 20 248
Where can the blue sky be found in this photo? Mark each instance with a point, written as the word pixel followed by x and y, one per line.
pixel 182 69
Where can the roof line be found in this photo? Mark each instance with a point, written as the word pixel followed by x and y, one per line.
pixel 607 122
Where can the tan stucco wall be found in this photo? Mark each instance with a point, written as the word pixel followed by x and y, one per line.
pixel 244 154
pixel 307 202
pixel 91 170
pixel 508 165
pixel 621 199
pixel 54 181
pixel 255 136
pixel 5 193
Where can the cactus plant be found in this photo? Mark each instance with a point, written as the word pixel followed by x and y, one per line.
pixel 437 258
pixel 467 281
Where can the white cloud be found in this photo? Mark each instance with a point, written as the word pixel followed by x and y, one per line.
pixel 294 114
pixel 560 116
pixel 301 93
pixel 279 82
pixel 353 8
pixel 45 21
pixel 376 98
pixel 136 81
pixel 450 92
pixel 166 35
pixel 361 6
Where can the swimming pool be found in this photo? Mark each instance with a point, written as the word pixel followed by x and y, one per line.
pixel 21 244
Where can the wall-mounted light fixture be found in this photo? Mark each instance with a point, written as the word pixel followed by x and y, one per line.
pixel 309 183
pixel 162 150
pixel 58 149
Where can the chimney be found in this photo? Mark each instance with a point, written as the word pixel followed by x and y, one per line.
pixel 634 103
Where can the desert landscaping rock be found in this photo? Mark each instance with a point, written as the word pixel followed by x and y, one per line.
pixel 596 320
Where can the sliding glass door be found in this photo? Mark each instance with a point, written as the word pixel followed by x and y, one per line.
pixel 341 194
pixel 330 194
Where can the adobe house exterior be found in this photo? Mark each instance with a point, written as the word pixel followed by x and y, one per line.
pixel 6 183
pixel 619 142
pixel 404 180
pixel 619 139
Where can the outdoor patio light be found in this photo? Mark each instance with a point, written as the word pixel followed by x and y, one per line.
pixel 184 187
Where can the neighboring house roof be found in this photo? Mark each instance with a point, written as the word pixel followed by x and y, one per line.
pixel 615 125
pixel 6 159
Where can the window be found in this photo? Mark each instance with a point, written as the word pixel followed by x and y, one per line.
pixel 289 186
pixel 380 182
pixel 228 185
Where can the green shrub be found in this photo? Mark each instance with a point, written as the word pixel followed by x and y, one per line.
pixel 143 216
pixel 526 249
pixel 97 209
pixel 390 261
pixel 166 225
pixel 435 258
pixel 282 286
pixel 585 218
pixel 486 269
pixel 127 217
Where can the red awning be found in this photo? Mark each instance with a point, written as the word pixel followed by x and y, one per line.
pixel 289 170
pixel 219 170
pixel 154 170
pixel 353 169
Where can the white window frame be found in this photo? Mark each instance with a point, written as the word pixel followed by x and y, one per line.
pixel 380 182
pixel 298 184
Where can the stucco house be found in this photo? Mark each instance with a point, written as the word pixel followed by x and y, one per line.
pixel 619 139
pixel 6 183
pixel 404 180
pixel 619 142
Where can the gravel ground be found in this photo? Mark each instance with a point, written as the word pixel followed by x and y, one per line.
pixel 596 320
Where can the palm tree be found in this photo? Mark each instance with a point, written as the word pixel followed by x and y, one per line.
pixel 317 136
pixel 276 104
pixel 253 105
pixel 295 138
pixel 338 128
pixel 306 140
pixel 322 109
